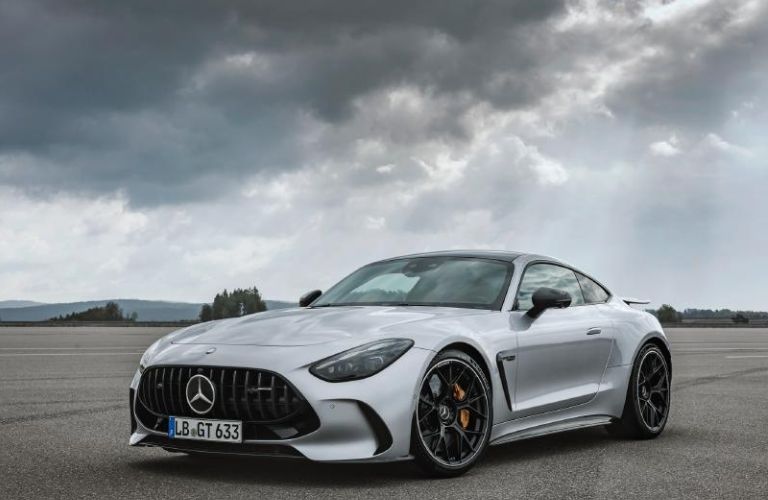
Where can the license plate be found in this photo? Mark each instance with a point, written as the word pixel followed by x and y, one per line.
pixel 228 431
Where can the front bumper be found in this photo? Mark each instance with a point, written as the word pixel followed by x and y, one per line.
pixel 364 420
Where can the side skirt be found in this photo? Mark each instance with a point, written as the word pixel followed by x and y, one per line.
pixel 552 428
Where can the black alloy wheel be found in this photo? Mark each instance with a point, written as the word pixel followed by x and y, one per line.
pixel 646 409
pixel 452 421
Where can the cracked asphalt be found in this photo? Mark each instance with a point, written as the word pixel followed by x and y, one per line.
pixel 64 425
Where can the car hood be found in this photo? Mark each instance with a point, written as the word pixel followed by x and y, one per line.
pixel 298 327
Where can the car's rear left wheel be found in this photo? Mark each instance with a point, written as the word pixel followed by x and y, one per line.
pixel 646 408
pixel 452 420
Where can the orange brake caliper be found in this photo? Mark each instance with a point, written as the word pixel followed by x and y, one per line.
pixel 459 394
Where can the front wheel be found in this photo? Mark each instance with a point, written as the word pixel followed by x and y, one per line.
pixel 452 420
pixel 648 396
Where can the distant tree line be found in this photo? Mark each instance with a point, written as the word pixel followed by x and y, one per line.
pixel 668 314
pixel 239 302
pixel 109 312
pixel 722 314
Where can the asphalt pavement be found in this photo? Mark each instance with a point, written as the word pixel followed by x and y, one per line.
pixel 64 425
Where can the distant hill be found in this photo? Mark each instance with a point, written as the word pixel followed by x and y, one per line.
pixel 19 303
pixel 146 310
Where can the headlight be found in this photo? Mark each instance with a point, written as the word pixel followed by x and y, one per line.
pixel 360 362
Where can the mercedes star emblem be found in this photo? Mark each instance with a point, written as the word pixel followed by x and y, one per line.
pixel 200 394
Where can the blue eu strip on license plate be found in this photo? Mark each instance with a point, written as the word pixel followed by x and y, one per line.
pixel 172 427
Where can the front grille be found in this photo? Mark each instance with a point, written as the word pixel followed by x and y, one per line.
pixel 269 406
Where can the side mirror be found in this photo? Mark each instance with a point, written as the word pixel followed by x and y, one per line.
pixel 309 297
pixel 546 298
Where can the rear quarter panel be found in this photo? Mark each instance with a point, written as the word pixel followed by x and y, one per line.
pixel 633 328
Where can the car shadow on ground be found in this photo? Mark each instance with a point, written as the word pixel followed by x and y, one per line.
pixel 303 472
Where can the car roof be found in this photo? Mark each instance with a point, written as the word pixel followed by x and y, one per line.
pixel 477 254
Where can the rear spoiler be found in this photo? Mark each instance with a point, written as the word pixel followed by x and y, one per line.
pixel 629 301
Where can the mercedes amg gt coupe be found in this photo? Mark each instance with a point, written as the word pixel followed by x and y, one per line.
pixel 431 356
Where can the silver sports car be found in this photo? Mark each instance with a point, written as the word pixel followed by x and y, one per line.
pixel 431 356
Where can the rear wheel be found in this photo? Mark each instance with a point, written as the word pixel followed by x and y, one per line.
pixel 452 420
pixel 646 408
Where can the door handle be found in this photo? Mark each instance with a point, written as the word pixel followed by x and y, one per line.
pixel 594 331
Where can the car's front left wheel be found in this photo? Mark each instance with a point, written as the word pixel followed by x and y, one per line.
pixel 452 420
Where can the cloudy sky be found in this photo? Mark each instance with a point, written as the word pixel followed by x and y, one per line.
pixel 167 150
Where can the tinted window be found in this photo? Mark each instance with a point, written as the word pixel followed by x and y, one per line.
pixel 549 276
pixel 424 281
pixel 593 293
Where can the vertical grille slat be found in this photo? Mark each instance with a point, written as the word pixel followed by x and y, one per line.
pixel 234 393
pixel 164 398
pixel 273 396
pixel 259 407
pixel 150 394
pixel 179 389
pixel 143 389
pixel 171 391
pixel 155 391
pixel 286 396
pixel 239 396
pixel 245 394
pixel 221 398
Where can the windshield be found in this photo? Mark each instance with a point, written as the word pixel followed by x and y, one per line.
pixel 424 281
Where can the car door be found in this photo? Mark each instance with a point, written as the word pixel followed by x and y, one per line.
pixel 561 355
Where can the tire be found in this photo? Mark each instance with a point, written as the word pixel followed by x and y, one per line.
pixel 451 424
pixel 646 408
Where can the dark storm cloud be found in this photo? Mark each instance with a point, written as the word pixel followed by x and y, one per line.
pixel 133 95
pixel 702 72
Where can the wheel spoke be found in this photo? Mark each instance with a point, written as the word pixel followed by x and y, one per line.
pixel 441 438
pixel 459 444
pixel 429 412
pixel 656 414
pixel 477 412
pixel 458 377
pixel 475 399
pixel 444 438
pixel 656 369
pixel 445 387
pixel 463 437
pixel 471 388
pixel 430 435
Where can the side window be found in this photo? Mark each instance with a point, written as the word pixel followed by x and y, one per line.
pixel 550 276
pixel 593 293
